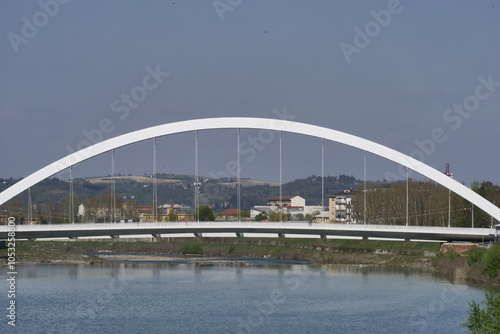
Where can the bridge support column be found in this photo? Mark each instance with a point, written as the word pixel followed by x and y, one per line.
pixel 156 235
pixel 323 236
pixel 73 238
pixel 365 238
pixel 239 235
pixel 198 235
pixel 281 235
pixel 115 236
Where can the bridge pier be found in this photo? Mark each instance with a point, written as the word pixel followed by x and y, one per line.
pixel 198 235
pixel 281 235
pixel 113 236
pixel 156 235
pixel 365 238
pixel 323 236
pixel 239 235
pixel 73 238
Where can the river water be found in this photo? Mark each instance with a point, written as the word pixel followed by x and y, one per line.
pixel 268 298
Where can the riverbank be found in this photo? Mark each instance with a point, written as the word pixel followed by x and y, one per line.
pixel 315 251
pixel 423 255
pixel 476 266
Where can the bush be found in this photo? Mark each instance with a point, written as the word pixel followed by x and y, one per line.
pixel 491 262
pixel 450 256
pixel 487 319
pixel 475 255
pixel 192 247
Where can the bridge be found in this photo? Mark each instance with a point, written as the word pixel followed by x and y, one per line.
pixel 249 123
pixel 242 229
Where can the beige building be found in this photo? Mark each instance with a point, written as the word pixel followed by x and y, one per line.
pixel 286 201
pixel 340 207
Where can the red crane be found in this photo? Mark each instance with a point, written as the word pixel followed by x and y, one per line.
pixel 448 173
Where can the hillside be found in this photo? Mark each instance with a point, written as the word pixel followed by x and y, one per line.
pixel 220 194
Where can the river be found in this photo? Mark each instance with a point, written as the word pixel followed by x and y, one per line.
pixel 268 298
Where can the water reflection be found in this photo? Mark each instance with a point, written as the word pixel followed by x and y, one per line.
pixel 158 297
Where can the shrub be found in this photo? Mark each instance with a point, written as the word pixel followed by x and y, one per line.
pixel 491 262
pixel 450 256
pixel 487 319
pixel 475 255
pixel 192 247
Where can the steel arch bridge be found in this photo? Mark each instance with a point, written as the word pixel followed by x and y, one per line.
pixel 251 123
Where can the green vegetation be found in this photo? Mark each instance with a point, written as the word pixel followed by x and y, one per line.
pixel 260 217
pixel 278 216
pixel 330 251
pixel 205 214
pixel 450 256
pixel 487 260
pixel 192 247
pixel 484 320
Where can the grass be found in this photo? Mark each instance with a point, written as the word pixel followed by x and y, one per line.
pixel 322 251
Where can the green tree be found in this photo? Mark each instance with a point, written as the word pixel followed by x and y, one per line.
pixel 260 217
pixel 172 216
pixel 277 216
pixel 192 247
pixel 484 320
pixel 205 213
pixel 300 217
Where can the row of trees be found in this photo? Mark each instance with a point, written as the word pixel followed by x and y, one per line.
pixel 429 204
pixel 97 209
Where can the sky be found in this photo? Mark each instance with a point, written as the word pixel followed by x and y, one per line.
pixel 421 77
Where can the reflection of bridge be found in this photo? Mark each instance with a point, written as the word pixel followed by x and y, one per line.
pixel 249 123
pixel 297 229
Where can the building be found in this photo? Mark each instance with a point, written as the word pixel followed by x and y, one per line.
pixel 254 211
pixel 286 201
pixel 340 207
pixel 293 206
pixel 230 215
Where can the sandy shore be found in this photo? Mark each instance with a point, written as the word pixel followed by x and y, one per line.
pixel 166 258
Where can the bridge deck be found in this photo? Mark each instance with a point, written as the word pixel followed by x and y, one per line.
pixel 243 229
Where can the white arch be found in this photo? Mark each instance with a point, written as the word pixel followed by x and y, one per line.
pixel 251 123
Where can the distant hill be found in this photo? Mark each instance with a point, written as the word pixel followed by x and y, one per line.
pixel 220 194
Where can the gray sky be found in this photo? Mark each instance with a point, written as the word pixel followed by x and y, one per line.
pixel 65 69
